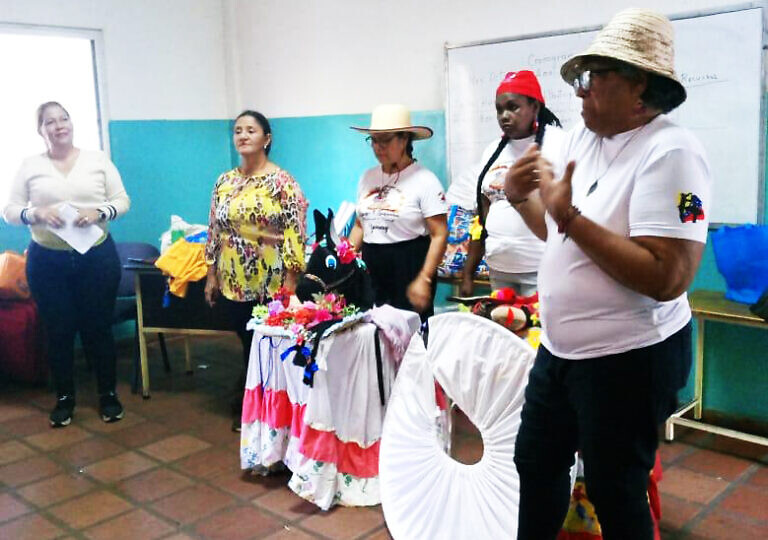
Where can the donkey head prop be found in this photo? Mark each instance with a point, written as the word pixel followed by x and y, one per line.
pixel 335 267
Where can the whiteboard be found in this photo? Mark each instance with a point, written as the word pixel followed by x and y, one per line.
pixel 718 57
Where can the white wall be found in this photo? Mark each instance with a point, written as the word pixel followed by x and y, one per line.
pixel 306 57
pixel 164 59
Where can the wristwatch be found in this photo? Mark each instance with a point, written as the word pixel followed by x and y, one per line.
pixel 102 216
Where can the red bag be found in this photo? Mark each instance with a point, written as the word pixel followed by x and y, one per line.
pixel 22 345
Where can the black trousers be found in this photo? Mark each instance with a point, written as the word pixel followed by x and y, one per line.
pixel 393 267
pixel 236 315
pixel 610 408
pixel 76 293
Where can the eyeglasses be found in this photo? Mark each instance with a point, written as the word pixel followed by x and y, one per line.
pixel 380 141
pixel 583 80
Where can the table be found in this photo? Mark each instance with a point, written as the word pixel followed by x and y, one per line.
pixel 455 283
pixel 712 306
pixel 187 316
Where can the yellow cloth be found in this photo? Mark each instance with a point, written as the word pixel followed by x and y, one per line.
pixel 183 262
pixel 475 229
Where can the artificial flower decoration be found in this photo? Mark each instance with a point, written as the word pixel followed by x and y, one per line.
pixel 300 321
pixel 346 251
pixel 275 307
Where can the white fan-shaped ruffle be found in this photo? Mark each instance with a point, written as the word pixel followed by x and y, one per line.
pixel 425 493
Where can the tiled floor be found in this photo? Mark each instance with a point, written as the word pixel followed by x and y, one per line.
pixel 170 469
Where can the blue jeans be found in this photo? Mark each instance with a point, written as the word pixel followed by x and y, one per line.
pixel 610 409
pixel 76 293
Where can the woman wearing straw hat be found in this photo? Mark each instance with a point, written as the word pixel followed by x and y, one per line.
pixel 511 250
pixel 625 226
pixel 401 214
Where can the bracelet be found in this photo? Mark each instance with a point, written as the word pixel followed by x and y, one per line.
pixel 570 214
pixel 25 217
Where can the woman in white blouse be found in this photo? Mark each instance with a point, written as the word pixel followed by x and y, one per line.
pixel 401 214
pixel 74 292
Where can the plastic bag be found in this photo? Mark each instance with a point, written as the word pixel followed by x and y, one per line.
pixel 452 265
pixel 180 229
pixel 741 254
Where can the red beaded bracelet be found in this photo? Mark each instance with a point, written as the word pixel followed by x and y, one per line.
pixel 572 212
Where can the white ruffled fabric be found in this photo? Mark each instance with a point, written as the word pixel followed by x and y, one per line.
pixel 344 402
pixel 425 493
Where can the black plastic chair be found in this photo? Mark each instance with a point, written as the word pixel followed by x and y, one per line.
pixel 125 306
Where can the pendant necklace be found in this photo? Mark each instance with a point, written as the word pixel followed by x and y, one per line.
pixel 593 187
pixel 384 186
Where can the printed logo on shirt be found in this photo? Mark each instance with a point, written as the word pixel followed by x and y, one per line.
pixel 690 208
pixel 494 190
pixel 380 207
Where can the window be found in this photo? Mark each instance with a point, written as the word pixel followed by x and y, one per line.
pixel 40 64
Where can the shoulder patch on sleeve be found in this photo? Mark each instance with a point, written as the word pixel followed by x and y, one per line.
pixel 690 208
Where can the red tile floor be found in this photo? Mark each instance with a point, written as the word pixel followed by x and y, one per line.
pixel 170 468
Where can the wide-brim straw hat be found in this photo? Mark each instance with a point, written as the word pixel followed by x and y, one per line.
pixel 639 37
pixel 392 118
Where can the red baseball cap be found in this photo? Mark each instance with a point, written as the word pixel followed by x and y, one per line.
pixel 522 82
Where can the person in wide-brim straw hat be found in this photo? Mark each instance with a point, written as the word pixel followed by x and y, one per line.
pixel 391 118
pixel 643 39
pixel 401 223
pixel 625 227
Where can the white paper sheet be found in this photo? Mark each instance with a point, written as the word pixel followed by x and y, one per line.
pixel 80 238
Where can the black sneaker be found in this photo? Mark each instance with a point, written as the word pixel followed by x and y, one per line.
pixel 110 408
pixel 61 415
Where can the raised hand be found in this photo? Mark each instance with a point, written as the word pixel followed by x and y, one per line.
pixel 555 194
pixel 523 177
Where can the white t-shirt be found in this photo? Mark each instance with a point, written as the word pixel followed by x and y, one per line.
pixel 393 207
pixel 651 181
pixel 93 183
pixel 510 246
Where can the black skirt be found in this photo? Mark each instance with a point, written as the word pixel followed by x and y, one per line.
pixel 393 267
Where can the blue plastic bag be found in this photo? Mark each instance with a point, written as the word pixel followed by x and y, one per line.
pixel 741 254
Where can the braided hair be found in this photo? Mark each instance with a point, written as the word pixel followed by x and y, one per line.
pixel 544 118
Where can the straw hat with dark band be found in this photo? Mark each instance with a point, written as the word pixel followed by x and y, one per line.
pixel 394 118
pixel 639 37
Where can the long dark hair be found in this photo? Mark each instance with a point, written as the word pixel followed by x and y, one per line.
pixel 544 118
pixel 263 122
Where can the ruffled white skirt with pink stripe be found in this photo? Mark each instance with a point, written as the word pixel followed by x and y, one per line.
pixel 327 435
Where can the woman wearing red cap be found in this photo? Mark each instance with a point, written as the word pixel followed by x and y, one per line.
pixel 511 250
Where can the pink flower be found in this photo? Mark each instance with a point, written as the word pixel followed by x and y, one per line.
pixel 322 315
pixel 275 307
pixel 346 251
pixel 296 328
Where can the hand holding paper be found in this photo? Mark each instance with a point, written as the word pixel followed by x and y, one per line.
pixel 80 238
